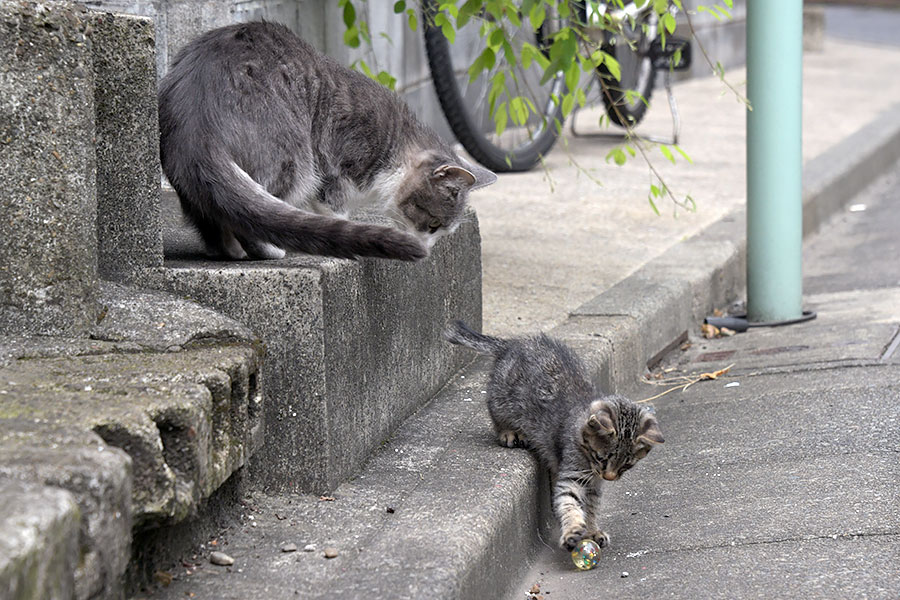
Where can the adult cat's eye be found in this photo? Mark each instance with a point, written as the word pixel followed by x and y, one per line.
pixel 434 225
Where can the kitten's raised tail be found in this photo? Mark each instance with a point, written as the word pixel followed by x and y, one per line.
pixel 459 333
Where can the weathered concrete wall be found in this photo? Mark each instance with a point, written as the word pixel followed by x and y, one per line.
pixel 48 259
pixel 352 348
pixel 127 133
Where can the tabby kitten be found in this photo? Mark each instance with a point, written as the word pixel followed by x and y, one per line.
pixel 539 396
pixel 271 146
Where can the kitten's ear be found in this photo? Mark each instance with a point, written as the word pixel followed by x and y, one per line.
pixel 650 433
pixel 602 420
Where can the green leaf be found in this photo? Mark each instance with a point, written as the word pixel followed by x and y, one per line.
pixel 667 153
pixel 568 104
pixel 349 15
pixel 484 62
pixel 518 111
pixel 413 20
pixel 351 37
pixel 536 15
pixel 450 8
pixel 683 153
pixel 467 11
pixel 500 118
pixel 653 204
pixel 443 21
pixel 573 75
pixel 386 79
pixel 617 156
pixel 669 23
pixel 495 40
pixel 581 97
pixel 399 6
pixel 612 65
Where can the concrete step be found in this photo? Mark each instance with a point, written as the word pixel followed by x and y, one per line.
pixel 439 511
pixel 140 423
pixel 351 347
pixel 39 545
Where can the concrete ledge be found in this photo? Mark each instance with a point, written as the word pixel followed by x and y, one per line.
pixel 440 511
pixel 140 424
pixel 99 478
pixel 38 541
pixel 352 347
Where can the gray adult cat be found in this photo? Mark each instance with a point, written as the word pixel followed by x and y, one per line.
pixel 539 396
pixel 271 145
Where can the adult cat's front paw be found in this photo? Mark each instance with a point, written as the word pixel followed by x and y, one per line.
pixel 570 538
pixel 601 537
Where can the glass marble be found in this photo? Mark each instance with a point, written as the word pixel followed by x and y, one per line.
pixel 586 555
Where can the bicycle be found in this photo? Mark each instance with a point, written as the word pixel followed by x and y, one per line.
pixel 470 105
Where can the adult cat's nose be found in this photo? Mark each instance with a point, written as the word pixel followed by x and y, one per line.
pixel 610 475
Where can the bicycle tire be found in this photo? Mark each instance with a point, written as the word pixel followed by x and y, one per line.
pixel 638 74
pixel 462 118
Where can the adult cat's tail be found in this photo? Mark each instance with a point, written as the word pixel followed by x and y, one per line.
pixel 459 333
pixel 236 201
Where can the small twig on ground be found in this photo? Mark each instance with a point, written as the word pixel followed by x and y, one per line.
pixel 684 382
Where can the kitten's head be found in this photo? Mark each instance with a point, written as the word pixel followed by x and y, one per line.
pixel 617 434
pixel 432 199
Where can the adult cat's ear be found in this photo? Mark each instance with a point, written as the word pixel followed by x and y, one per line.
pixel 454 172
pixel 650 433
pixel 483 177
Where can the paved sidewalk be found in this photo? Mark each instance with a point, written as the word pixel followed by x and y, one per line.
pixel 780 479
pixel 547 251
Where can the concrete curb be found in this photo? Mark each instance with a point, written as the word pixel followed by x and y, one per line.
pixel 650 311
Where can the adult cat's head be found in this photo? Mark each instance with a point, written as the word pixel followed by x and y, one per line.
pixel 431 197
pixel 617 434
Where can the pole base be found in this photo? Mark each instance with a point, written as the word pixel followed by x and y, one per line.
pixel 739 323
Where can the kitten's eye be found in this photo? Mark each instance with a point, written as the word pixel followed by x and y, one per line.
pixel 434 225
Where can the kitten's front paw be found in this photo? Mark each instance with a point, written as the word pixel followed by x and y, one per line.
pixel 511 439
pixel 570 538
pixel 601 537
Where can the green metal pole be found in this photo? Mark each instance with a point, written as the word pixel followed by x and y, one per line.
pixel 774 160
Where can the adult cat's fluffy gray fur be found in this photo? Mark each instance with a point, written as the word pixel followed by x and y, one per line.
pixel 539 396
pixel 271 145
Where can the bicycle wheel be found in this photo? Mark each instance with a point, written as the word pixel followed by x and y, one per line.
pixel 626 99
pixel 466 103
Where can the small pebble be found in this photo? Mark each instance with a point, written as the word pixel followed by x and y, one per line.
pixel 289 548
pixel 331 552
pixel 221 559
pixel 624 573
pixel 309 548
pixel 535 589
pixel 390 510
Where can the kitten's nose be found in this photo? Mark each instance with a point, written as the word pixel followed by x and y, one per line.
pixel 610 475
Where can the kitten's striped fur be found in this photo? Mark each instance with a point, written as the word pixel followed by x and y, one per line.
pixel 540 396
